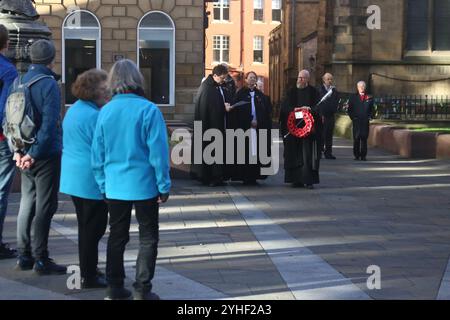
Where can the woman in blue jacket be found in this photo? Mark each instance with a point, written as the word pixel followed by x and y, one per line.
pixel 77 176
pixel 130 157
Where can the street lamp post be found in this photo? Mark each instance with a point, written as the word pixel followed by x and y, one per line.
pixel 20 18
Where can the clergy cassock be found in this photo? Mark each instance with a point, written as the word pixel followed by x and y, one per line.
pixel 301 155
pixel 210 110
pixel 259 111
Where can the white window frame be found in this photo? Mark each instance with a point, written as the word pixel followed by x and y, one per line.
pixel 221 5
pixel 276 5
pixel 259 6
pixel 260 41
pixel 98 42
pixel 172 53
pixel 221 49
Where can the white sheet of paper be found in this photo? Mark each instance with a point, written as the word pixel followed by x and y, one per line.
pixel 299 115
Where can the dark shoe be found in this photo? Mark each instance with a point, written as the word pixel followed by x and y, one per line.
pixel 330 157
pixel 24 262
pixel 117 293
pixel 96 282
pixel 6 252
pixel 309 186
pixel 48 266
pixel 146 296
pixel 363 159
pixel 298 185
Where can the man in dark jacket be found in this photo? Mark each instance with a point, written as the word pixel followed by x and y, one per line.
pixel 301 155
pixel 360 110
pixel 255 116
pixel 210 110
pixel 40 165
pixel 328 109
pixel 8 74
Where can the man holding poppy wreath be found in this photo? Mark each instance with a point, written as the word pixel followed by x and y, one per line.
pixel 301 153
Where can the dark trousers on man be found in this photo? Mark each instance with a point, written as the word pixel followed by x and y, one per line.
pixel 147 215
pixel 38 204
pixel 360 147
pixel 92 216
pixel 328 130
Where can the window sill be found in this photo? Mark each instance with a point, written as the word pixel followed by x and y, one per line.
pixel 221 22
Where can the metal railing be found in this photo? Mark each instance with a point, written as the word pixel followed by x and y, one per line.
pixel 418 107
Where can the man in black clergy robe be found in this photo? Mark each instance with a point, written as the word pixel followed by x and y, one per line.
pixel 301 155
pixel 211 106
pixel 255 115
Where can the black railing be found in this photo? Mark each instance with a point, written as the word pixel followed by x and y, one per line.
pixel 424 108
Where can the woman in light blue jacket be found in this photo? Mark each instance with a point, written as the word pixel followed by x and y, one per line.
pixel 77 176
pixel 130 157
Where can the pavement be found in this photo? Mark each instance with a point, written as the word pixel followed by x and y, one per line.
pixel 273 242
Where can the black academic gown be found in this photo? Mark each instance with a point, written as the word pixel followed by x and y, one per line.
pixel 241 118
pixel 210 110
pixel 301 156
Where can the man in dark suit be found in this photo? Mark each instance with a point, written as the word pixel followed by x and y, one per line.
pixel 328 109
pixel 360 110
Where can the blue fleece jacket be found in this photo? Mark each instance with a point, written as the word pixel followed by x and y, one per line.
pixel 46 98
pixel 8 74
pixel 130 151
pixel 77 177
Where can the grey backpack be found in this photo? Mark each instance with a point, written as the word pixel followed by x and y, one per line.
pixel 19 123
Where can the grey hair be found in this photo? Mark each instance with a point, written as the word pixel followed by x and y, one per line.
pixel 306 73
pixel 125 75
pixel 361 83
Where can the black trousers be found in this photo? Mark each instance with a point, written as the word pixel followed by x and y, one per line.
pixel 38 204
pixel 147 215
pixel 360 147
pixel 328 130
pixel 92 216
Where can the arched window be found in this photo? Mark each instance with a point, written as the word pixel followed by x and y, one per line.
pixel 81 47
pixel 156 57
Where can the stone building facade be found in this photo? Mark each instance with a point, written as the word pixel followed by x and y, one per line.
pixel 165 37
pixel 409 55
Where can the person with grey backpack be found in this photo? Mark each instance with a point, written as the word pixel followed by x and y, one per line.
pixel 32 126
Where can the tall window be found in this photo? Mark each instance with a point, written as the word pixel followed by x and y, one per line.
pixel 258 10
pixel 428 25
pixel 81 49
pixel 258 49
pixel 156 57
pixel 222 10
pixel 221 49
pixel 276 10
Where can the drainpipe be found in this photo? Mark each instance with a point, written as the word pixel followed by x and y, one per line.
pixel 242 36
pixel 293 18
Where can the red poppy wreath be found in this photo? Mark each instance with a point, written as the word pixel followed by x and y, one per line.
pixel 306 129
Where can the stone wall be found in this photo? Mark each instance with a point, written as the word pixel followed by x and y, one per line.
pixel 119 20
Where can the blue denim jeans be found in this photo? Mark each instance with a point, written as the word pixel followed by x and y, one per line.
pixel 7 170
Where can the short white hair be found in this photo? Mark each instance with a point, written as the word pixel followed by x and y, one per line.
pixel 305 73
pixel 363 83
pixel 125 75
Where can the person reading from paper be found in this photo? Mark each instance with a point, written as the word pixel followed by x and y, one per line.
pixel 251 111
pixel 301 155
pixel 211 107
